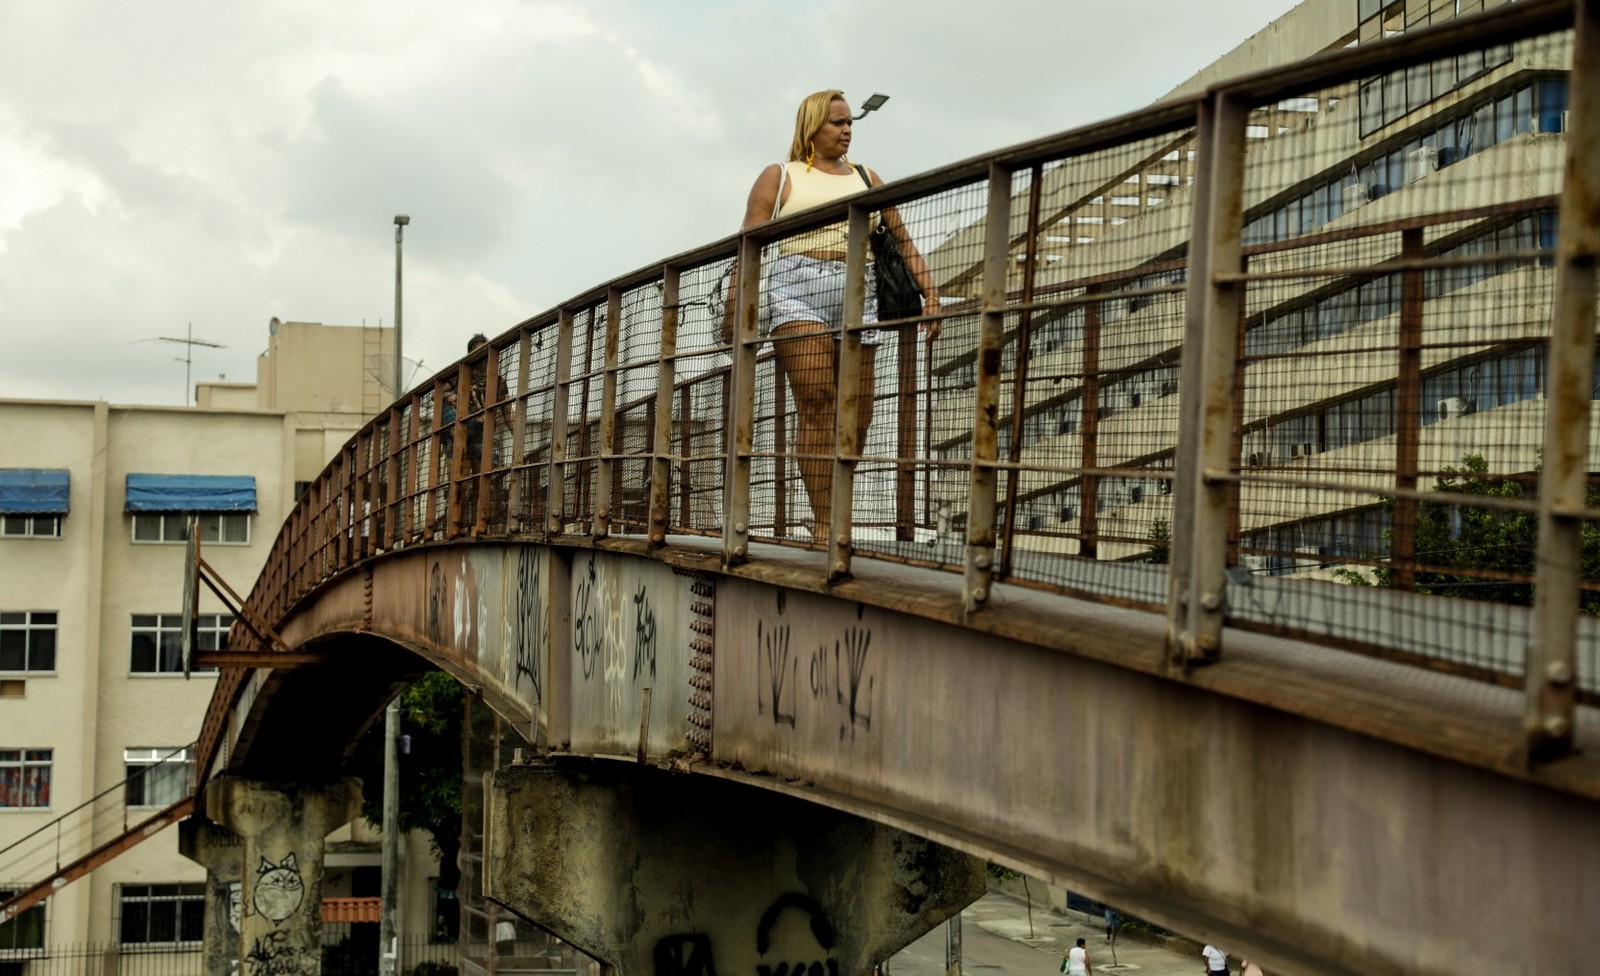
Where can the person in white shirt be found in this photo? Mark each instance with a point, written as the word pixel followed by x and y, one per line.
pixel 1078 963
pixel 1216 960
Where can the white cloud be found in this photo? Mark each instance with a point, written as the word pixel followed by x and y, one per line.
pixel 227 163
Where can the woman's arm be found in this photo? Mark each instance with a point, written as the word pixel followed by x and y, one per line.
pixel 914 262
pixel 758 209
pixel 763 198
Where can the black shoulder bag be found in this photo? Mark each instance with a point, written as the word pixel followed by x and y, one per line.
pixel 899 297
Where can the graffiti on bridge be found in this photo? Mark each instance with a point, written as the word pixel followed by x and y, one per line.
pixel 837 672
pixel 533 622
pixel 690 954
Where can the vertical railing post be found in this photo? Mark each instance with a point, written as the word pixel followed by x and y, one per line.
pixel 516 484
pixel 1551 675
pixel 458 452
pixel 1019 399
pixel 605 451
pixel 1089 428
pixel 661 436
pixel 555 503
pixel 1197 586
pixel 1407 416
pixel 741 406
pixel 981 501
pixel 847 440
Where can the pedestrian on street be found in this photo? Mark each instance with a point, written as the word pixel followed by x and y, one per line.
pixel 1077 961
pixel 1248 968
pixel 1113 923
pixel 1216 961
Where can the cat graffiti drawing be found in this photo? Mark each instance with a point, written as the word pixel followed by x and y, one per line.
pixel 278 889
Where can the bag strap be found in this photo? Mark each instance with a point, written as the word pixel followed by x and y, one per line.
pixel 862 170
pixel 783 178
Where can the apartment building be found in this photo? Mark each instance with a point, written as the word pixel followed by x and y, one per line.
pixel 1451 160
pixel 96 708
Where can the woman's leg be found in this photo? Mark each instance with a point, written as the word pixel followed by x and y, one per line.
pixel 810 364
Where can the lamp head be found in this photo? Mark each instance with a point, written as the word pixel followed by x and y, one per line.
pixel 872 104
pixel 400 220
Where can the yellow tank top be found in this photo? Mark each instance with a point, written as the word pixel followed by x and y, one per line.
pixel 812 189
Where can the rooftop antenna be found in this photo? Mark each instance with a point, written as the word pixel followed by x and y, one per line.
pixel 188 342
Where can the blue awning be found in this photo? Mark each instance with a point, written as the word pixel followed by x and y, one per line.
pixel 191 493
pixel 33 491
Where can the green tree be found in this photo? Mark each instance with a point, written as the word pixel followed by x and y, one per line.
pixel 1482 553
pixel 430 774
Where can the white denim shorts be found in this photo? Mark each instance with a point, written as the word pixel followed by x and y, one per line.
pixel 806 289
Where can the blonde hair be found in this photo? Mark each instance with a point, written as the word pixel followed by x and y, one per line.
pixel 809 119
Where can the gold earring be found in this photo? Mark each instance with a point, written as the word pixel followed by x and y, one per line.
pixel 811 154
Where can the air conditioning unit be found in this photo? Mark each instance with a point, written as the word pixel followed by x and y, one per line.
pixel 1134 398
pixel 1069 512
pixel 1035 522
pixel 1169 387
pixel 1421 162
pixel 1164 487
pixel 1258 459
pixel 1352 196
pixel 1452 407
pixel 1254 563
pixel 1300 449
pixel 1136 494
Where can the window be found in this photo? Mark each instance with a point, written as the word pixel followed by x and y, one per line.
pixel 26 931
pixel 157 645
pixel 31 526
pixel 157 777
pixel 446 925
pixel 27 640
pixel 159 914
pixel 24 778
pixel 227 528
pixel 33 501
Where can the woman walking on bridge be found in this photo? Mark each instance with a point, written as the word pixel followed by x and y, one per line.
pixel 804 292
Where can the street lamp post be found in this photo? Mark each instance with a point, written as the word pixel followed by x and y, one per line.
pixel 400 222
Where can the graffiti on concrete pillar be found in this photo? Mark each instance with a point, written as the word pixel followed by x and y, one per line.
pixel 533 621
pixel 684 955
pixel 272 954
pixel 234 897
pixel 823 964
pixel 278 890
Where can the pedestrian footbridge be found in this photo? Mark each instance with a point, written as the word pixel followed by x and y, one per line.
pixel 1240 574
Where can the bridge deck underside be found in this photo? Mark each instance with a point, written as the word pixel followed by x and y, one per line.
pixel 1328 810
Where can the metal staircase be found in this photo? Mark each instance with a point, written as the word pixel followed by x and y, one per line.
pixel 69 847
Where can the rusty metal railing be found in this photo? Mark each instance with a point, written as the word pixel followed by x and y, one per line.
pixel 1266 357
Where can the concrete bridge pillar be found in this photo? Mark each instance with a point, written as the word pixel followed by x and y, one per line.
pixel 280 900
pixel 221 852
pixel 675 875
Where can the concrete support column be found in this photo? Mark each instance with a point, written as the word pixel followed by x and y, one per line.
pixel 677 875
pixel 221 852
pixel 283 827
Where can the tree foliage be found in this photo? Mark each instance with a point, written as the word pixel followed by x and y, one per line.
pixel 1481 553
pixel 430 774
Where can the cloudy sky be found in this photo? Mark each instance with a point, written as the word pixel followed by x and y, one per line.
pixel 167 162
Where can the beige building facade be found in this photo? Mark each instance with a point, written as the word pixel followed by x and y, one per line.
pixel 94 499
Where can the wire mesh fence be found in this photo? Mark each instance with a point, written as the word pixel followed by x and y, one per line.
pixel 1300 333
